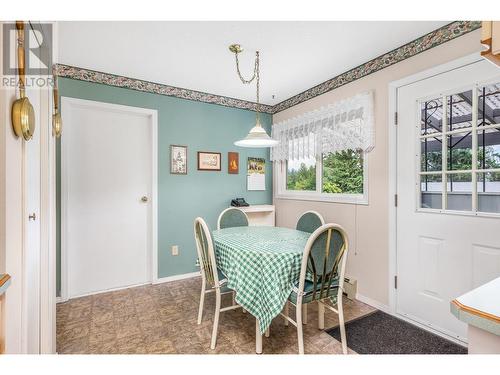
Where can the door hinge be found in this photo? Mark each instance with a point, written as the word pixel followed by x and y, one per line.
pixel 396 282
pixel 395 200
pixel 395 118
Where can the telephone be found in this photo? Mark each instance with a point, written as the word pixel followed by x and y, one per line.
pixel 239 202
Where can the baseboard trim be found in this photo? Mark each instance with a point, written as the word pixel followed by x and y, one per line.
pixel 183 276
pixel 373 303
pixel 160 280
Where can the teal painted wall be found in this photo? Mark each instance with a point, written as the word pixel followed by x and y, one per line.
pixel 181 198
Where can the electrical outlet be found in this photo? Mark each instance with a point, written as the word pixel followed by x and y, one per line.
pixel 175 250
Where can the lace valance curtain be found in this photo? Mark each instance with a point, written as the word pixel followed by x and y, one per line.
pixel 347 124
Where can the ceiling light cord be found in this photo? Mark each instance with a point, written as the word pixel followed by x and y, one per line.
pixel 256 77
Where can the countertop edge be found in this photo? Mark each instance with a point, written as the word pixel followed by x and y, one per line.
pixel 4 283
pixel 477 318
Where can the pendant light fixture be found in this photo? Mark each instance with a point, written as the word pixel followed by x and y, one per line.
pixel 257 136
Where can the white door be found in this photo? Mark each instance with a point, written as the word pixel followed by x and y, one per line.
pixel 448 237
pixel 106 196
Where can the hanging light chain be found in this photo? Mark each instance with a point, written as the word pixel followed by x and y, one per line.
pixel 256 76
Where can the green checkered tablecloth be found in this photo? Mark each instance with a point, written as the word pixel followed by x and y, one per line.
pixel 261 264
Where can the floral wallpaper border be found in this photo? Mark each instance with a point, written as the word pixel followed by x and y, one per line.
pixel 88 75
pixel 424 43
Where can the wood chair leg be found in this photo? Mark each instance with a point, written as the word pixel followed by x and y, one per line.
pixel 286 312
pixel 234 297
pixel 321 315
pixel 202 300
pixel 267 332
pixel 343 337
pixel 300 337
pixel 216 318
pixel 304 313
pixel 258 337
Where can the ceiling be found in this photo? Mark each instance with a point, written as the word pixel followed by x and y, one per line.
pixel 194 55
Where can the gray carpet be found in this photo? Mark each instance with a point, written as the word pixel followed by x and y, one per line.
pixel 381 333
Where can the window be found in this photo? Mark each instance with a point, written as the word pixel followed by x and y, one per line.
pixel 322 154
pixel 301 174
pixel 460 151
pixel 338 176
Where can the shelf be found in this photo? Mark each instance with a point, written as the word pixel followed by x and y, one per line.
pixel 258 208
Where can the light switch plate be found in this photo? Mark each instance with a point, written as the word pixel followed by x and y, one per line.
pixel 175 250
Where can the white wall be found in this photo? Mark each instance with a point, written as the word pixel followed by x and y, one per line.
pixel 367 226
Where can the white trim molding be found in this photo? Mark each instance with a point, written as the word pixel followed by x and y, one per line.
pixel 373 303
pixel 67 102
pixel 183 276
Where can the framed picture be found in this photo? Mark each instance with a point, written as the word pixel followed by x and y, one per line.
pixel 178 159
pixel 209 161
pixel 233 163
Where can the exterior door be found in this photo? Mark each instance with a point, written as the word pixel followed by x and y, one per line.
pixel 448 186
pixel 106 195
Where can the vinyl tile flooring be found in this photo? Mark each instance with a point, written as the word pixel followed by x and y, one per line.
pixel 161 319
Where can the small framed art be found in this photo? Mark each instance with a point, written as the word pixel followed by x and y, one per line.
pixel 233 161
pixel 178 159
pixel 209 161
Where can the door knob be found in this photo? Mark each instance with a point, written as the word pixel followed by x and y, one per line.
pixel 144 199
pixel 32 216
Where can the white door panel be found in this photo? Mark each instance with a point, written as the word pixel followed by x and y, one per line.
pixel 107 156
pixel 439 255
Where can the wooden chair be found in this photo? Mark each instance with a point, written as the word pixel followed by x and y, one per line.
pixel 232 217
pixel 323 263
pixel 211 276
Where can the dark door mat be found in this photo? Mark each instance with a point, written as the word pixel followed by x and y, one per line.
pixel 381 333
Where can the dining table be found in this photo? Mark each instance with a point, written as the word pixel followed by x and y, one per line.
pixel 262 265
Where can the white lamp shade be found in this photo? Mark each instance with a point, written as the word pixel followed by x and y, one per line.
pixel 257 138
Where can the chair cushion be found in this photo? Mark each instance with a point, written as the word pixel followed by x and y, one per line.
pixel 224 288
pixel 221 275
pixel 309 289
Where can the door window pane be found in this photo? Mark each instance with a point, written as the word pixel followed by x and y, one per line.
pixel 459 191
pixel 431 154
pixel 488 187
pixel 343 172
pixel 460 110
pixel 488 155
pixel 460 151
pixel 301 174
pixel 488 109
pixel 431 188
pixel 431 116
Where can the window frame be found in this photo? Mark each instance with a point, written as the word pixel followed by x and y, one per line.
pixel 475 171
pixel 281 192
